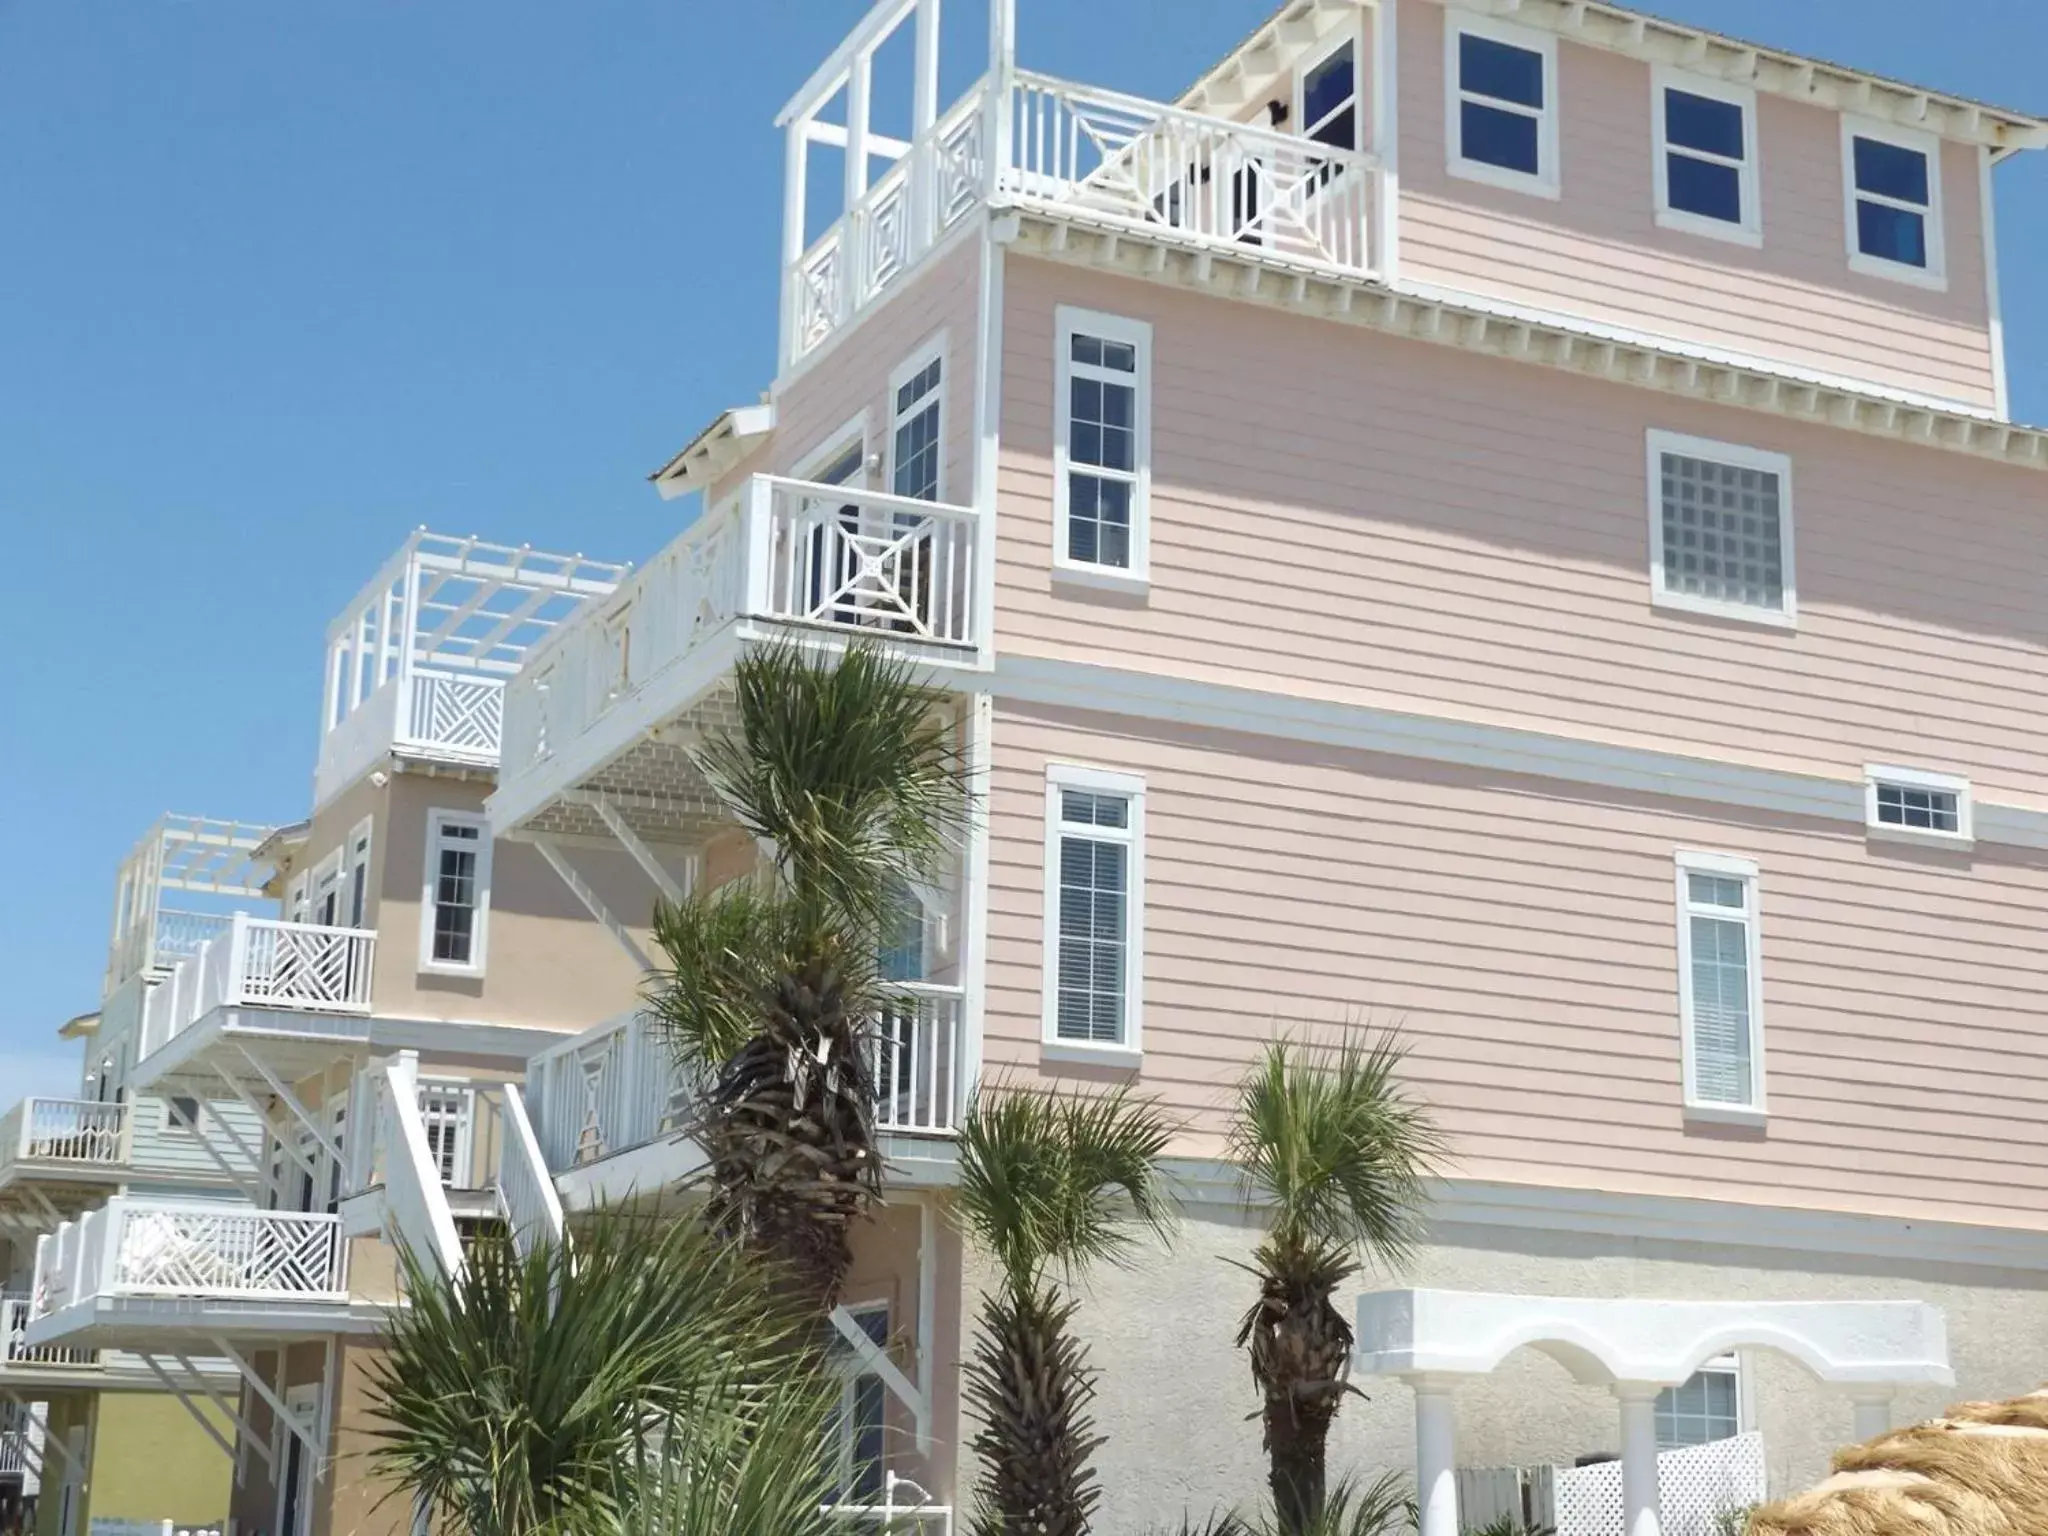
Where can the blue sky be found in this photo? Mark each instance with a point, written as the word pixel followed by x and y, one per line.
pixel 282 281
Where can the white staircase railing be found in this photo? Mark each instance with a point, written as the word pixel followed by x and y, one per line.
pixel 415 1202
pixel 262 963
pixel 139 1247
pixel 526 1189
pixel 81 1131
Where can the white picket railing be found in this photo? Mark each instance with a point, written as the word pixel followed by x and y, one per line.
pixel 1075 150
pixel 264 963
pixel 617 1086
pixel 81 1131
pixel 15 1350
pixel 139 1247
pixel 783 551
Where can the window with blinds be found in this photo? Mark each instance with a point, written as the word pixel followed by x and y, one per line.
pixel 1719 981
pixel 1093 901
pixel 1706 1407
pixel 1720 528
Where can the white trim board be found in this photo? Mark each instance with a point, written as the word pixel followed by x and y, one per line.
pixel 1180 701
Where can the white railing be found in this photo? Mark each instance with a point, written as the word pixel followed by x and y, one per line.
pixel 617 1086
pixel 787 552
pixel 15 1350
pixel 526 1190
pixel 137 1247
pixel 1698 1488
pixel 460 716
pixel 80 1131
pixel 263 963
pixel 15 1429
pixel 905 1510
pixel 179 934
pixel 415 1201
pixel 1206 182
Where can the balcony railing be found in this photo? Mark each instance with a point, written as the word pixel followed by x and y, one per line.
pixel 617 1086
pixel 262 963
pixel 1207 183
pixel 15 1351
pixel 76 1131
pixel 784 551
pixel 152 1248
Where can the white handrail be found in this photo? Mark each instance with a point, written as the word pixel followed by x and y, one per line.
pixel 66 1131
pixel 414 1200
pixel 262 962
pixel 526 1189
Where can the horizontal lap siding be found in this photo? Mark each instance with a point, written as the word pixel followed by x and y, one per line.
pixel 1358 517
pixel 1525 941
pixel 1598 251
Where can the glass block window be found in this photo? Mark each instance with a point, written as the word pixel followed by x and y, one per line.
pixel 1717 955
pixel 1503 110
pixel 1892 201
pixel 1102 430
pixel 1722 527
pixel 1093 893
pixel 1704 1408
pixel 917 407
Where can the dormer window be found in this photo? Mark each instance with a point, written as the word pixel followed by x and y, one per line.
pixel 1502 102
pixel 1706 159
pixel 1894 202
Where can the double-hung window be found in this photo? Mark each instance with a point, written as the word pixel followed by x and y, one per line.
pixel 1102 447
pixel 456 897
pixel 1721 529
pixel 1705 1407
pixel 1502 102
pixel 1094 908
pixel 1720 985
pixel 1706 169
pixel 1893 180
pixel 916 407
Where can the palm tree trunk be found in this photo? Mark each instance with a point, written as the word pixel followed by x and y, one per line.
pixel 1030 1384
pixel 1297 1452
pixel 1300 1347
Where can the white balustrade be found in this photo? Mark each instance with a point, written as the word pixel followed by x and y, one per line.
pixel 138 1247
pixel 866 561
pixel 526 1189
pixel 15 1350
pixel 81 1131
pixel 917 1062
pixel 456 715
pixel 262 963
pixel 415 1201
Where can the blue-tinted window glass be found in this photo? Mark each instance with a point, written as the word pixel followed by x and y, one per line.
pixel 1505 139
pixel 1892 234
pixel 1891 171
pixel 1329 87
pixel 1703 187
pixel 1698 122
pixel 1500 70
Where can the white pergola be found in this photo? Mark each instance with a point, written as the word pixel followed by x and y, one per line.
pixel 1433 1339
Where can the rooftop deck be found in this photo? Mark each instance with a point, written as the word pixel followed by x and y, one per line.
pixel 57 1155
pixel 181 855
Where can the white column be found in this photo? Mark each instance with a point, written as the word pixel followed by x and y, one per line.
pixel 1873 1413
pixel 1436 1455
pixel 1639 1514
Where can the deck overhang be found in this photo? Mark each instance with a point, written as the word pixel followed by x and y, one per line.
pixel 170 1325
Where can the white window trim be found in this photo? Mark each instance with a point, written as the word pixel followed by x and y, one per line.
pixel 1965 835
pixel 1548 181
pixel 1354 37
pixel 1734 1363
pixel 1068 323
pixel 331 873
pixel 934 349
pixel 856 430
pixel 297 904
pixel 1935 274
pixel 1733 866
pixel 361 838
pixel 1661 596
pixel 478 949
pixel 1750 231
pixel 1128 1052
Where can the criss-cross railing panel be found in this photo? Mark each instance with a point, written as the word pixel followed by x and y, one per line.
pixel 461 714
pixel 301 965
pixel 188 1250
pixel 859 560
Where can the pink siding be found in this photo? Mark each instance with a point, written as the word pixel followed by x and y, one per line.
pixel 1598 253
pixel 853 378
pixel 1354 517
pixel 1525 939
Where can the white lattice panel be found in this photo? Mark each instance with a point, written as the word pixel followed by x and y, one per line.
pixel 1695 1486
pixel 193 1251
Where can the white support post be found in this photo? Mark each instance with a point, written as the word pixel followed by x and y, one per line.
pixel 1639 1500
pixel 238 961
pixel 924 114
pixel 874 1358
pixel 796 157
pixel 1873 1413
pixel 304 1116
pixel 853 243
pixel 927 1313
pixel 559 862
pixel 1002 67
pixel 185 1401
pixel 631 841
pixel 759 539
pixel 307 1434
pixel 1436 1456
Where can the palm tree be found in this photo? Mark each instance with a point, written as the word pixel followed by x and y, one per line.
pixel 1334 1152
pixel 527 1390
pixel 851 779
pixel 1048 1183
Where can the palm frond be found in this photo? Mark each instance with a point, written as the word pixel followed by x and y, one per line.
pixel 515 1392
pixel 725 949
pixel 846 767
pixel 1383 1507
pixel 1050 1179
pixel 1335 1143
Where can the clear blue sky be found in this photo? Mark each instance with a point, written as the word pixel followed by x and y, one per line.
pixel 282 279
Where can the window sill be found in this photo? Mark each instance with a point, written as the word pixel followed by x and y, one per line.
pixel 1728 1114
pixel 442 968
pixel 1898 272
pixel 1507 180
pixel 1766 618
pixel 1102 578
pixel 1952 842
pixel 1119 1057
pixel 1684 223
